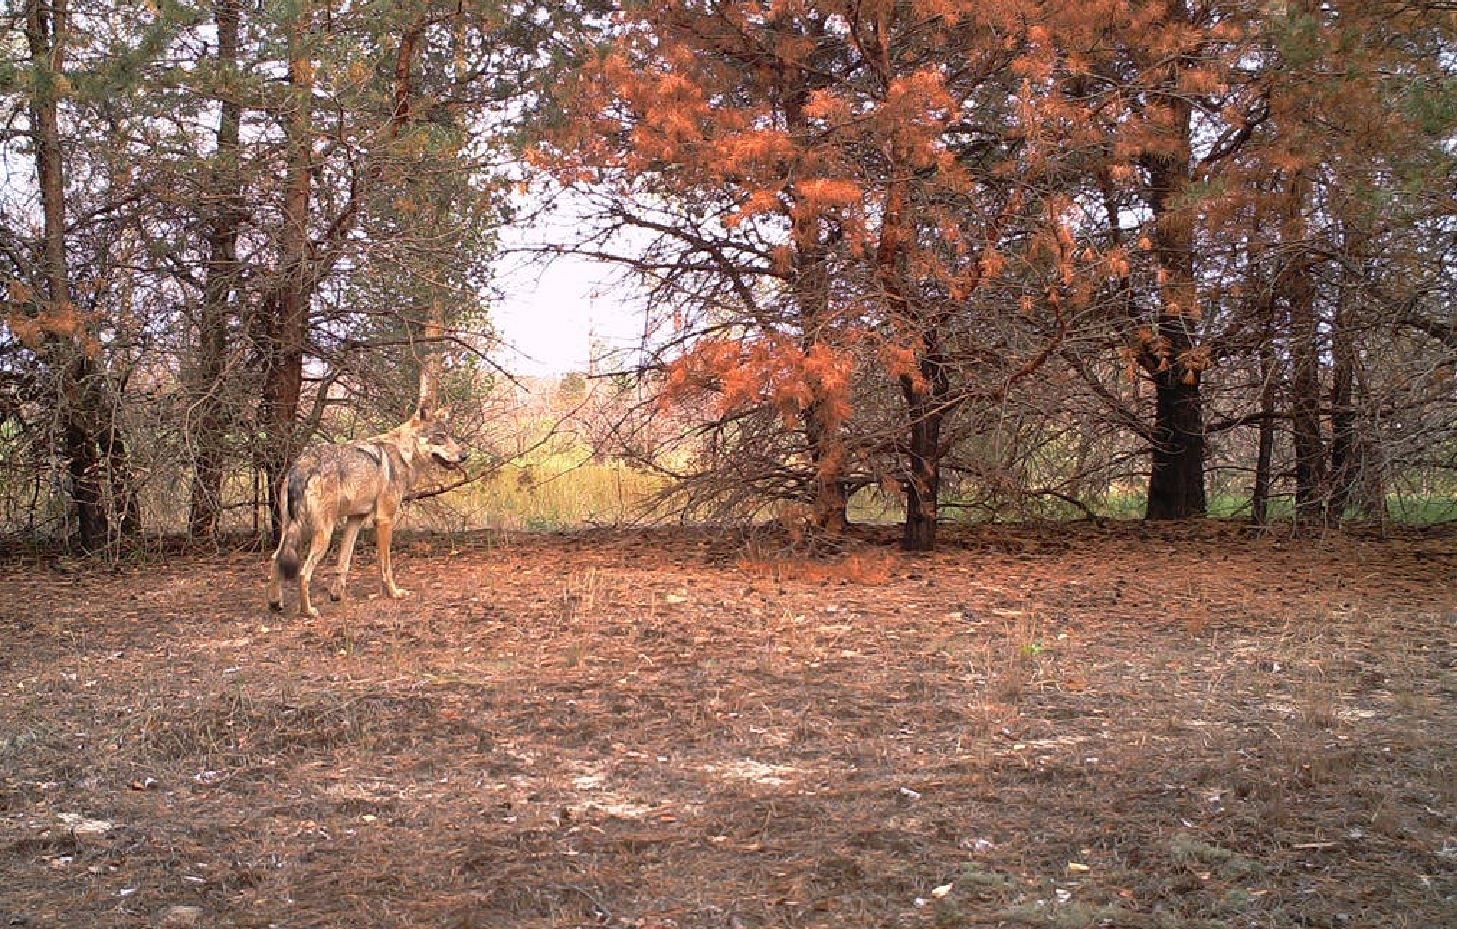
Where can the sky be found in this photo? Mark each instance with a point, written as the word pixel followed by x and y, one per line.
pixel 549 315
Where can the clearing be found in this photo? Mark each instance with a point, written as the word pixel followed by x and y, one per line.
pixel 1131 726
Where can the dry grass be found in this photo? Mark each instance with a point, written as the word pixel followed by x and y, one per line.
pixel 549 491
pixel 1124 728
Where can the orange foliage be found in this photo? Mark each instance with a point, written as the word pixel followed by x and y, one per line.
pixel 825 104
pixel 819 193
pixel 33 324
pixel 902 362
pixel 769 369
pixel 1118 265
pixel 736 103
pixel 992 263
pixel 760 201
pixel 26 328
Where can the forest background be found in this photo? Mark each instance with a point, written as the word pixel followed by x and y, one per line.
pixel 902 262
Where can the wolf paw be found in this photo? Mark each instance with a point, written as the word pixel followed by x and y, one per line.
pixel 275 607
pixel 398 593
pixel 311 612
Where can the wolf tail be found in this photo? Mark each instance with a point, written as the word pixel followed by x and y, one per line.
pixel 288 560
pixel 293 518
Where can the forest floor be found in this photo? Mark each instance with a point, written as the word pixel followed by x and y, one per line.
pixel 1128 726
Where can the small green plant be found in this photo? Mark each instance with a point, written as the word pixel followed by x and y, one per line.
pixel 1230 865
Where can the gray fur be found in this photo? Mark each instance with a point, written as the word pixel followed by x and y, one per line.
pixel 353 482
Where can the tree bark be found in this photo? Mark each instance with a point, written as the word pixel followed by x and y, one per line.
pixel 1264 456
pixel 829 499
pixel 924 405
pixel 1344 466
pixel 1304 380
pixel 289 316
pixel 1176 483
pixel 1176 486
pixel 209 441
pixel 1298 288
pixel 80 409
pixel 924 391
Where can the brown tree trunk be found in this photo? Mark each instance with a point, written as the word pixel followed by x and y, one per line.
pixel 1347 447
pixel 303 263
pixel 829 498
pixel 289 301
pixel 209 441
pixel 80 407
pixel 1344 467
pixel 1264 456
pixel 925 392
pixel 1298 289
pixel 925 397
pixel 1309 446
pixel 1176 483
pixel 829 502
pixel 1176 486
pixel 1260 498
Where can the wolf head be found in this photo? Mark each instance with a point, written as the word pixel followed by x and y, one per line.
pixel 433 438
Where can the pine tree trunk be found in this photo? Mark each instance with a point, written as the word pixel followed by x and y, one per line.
pixel 1264 456
pixel 1314 502
pixel 83 468
pixel 289 304
pixel 1176 486
pixel 1265 453
pixel 1344 467
pixel 80 412
pixel 1176 481
pixel 209 446
pixel 1346 442
pixel 1309 446
pixel 830 503
pixel 923 483
pixel 829 499
pixel 926 398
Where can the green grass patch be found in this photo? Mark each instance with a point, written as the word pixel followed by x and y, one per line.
pixel 1422 511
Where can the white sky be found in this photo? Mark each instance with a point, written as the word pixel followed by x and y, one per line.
pixel 549 315
pixel 551 312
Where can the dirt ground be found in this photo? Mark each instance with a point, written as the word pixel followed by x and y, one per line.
pixel 1081 726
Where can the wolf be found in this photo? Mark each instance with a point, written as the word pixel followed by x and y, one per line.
pixel 353 482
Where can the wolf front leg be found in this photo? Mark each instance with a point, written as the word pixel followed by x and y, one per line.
pixel 384 531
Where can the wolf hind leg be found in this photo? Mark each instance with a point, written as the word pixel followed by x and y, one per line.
pixel 318 546
pixel 275 586
pixel 346 555
pixel 287 543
